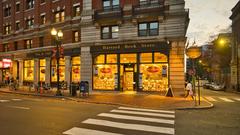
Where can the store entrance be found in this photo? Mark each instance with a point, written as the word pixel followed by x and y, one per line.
pixel 128 77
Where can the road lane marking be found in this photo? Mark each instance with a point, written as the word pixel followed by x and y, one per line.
pixel 20 107
pixel 138 127
pixel 146 110
pixel 238 99
pixel 226 99
pixel 4 101
pixel 83 131
pixel 144 113
pixel 15 99
pixel 117 116
pixel 211 99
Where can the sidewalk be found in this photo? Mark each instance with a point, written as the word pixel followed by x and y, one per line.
pixel 143 100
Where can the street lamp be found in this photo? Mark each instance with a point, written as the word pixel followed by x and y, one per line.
pixel 58 35
pixel 193 53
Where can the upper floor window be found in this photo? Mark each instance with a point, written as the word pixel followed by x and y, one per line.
pixel 17 7
pixel 29 23
pixel 28 44
pixel 75 36
pixel 145 2
pixel 7 29
pixel 59 16
pixel 41 41
pixel 17 25
pixel 15 45
pixel 7 11
pixel 77 11
pixel 148 29
pixel 42 19
pixel 109 32
pixel 110 4
pixel 5 47
pixel 29 4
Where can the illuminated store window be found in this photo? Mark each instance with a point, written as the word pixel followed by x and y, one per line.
pixel 61 70
pixel 128 58
pixel 159 57
pixel 146 57
pixel 154 77
pixel 111 58
pixel 28 70
pixel 104 77
pixel 100 59
pixel 42 69
pixel 105 72
pixel 76 62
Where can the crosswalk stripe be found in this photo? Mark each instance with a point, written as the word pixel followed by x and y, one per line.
pixel 138 127
pixel 144 113
pixel 3 101
pixel 226 99
pixel 83 131
pixel 238 99
pixel 117 116
pixel 146 110
pixel 15 99
pixel 211 99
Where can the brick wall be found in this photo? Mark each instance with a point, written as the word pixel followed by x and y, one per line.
pixel 37 31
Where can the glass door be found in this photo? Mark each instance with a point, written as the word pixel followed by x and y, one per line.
pixel 128 77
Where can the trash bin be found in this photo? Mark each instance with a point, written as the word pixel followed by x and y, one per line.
pixel 74 88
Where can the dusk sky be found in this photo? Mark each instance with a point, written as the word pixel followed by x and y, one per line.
pixel 208 18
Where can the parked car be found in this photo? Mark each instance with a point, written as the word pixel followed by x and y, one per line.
pixel 217 87
pixel 207 85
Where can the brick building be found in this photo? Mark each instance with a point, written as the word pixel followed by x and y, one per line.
pixel 120 45
pixel 235 67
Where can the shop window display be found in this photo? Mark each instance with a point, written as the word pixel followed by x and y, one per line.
pixel 154 77
pixel 61 70
pixel 111 58
pixel 42 69
pixel 28 70
pixel 76 61
pixel 146 57
pixel 159 57
pixel 105 77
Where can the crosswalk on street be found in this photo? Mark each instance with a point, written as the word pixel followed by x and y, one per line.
pixel 222 99
pixel 9 100
pixel 127 120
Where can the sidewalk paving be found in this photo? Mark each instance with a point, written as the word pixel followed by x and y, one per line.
pixel 143 100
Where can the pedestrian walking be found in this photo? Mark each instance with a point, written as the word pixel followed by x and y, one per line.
pixel 189 90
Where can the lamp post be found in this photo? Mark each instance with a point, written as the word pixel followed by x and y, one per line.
pixel 193 53
pixel 57 40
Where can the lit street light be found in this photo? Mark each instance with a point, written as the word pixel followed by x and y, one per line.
pixel 58 35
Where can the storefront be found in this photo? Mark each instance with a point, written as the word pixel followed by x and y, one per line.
pixel 45 67
pixel 28 71
pixel 131 67
pixel 5 67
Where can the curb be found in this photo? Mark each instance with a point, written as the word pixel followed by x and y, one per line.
pixel 32 94
pixel 127 105
pixel 111 103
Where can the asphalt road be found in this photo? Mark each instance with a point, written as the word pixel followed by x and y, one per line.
pixel 25 115
pixel 223 119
